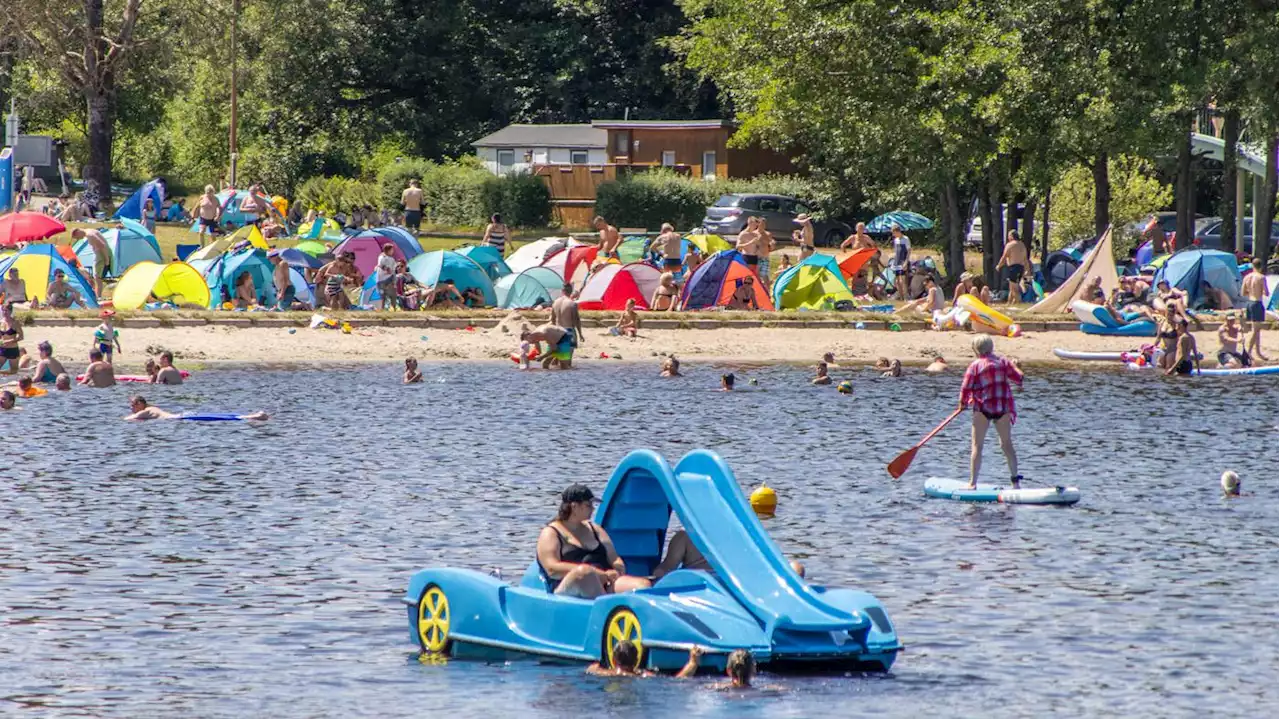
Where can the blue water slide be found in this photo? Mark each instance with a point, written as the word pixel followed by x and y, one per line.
pixel 743 555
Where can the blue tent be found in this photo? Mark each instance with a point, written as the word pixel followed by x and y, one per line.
pixel 535 287
pixel 230 200
pixel 304 291
pixel 36 264
pixel 129 244
pixel 1189 269
pixel 487 257
pixel 132 207
pixel 222 272
pixel 431 268
pixel 407 243
pixel 297 258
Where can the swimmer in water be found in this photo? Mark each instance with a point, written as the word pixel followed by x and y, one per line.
pixel 830 359
pixel 167 373
pixel 99 373
pixel 740 667
pixel 726 382
pixel 1230 484
pixel 143 411
pixel 882 364
pixel 8 400
pixel 895 369
pixel 939 364
pixel 626 658
pixel 411 373
pixel 62 383
pixel 822 377
pixel 671 367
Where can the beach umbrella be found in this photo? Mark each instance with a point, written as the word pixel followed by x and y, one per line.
pixel 906 220
pixel 27 227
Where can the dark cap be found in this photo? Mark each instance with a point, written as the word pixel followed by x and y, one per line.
pixel 577 493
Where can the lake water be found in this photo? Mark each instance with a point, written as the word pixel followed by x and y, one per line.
pixel 170 569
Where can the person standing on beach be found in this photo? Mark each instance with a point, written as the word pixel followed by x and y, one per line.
pixel 1015 258
pixel 564 313
pixel 1254 289
pixel 411 199
pixel 101 255
pixel 987 388
pixel 495 235
pixel 749 244
pixel 668 243
pixel 901 262
pixel 609 238
pixel 208 213
pixel 804 236
pixel 385 278
pixel 254 205
pixel 1154 234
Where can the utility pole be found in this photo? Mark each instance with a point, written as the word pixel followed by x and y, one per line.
pixel 235 56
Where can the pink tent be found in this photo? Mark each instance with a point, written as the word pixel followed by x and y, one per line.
pixel 367 247
pixel 613 285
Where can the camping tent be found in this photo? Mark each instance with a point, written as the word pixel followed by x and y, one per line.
pixel 321 228
pixel 1097 262
pixel 706 244
pixel 1189 269
pixel 176 282
pixel 634 249
pixel 367 246
pixel 535 287
pixel 573 263
pixel 815 283
pixel 611 286
pixel 431 268
pixel 294 257
pixel 490 258
pixel 230 201
pixel 36 265
pixel 532 254
pixel 303 290
pixel 129 245
pixel 249 235
pixel 221 274
pixel 315 248
pixel 715 280
pixel 131 208
pixel 851 266
pixel 407 243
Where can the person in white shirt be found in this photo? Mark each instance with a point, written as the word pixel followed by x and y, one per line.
pixel 386 276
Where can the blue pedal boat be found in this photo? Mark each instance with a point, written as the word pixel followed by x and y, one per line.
pixel 752 600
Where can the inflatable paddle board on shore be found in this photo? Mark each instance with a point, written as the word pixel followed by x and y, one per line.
pixel 1220 371
pixel 1081 355
pixel 957 489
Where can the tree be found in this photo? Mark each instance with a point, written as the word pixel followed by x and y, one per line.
pixel 88 45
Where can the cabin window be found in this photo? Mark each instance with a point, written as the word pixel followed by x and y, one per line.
pixel 709 165
pixel 668 158
pixel 578 157
pixel 622 143
pixel 506 161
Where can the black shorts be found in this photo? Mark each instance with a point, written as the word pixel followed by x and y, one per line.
pixel 1183 367
pixel 210 225
pixel 993 416
pixel 10 353
pixel 413 218
pixel 1016 272
pixel 671 264
pixel 1255 312
pixel 752 260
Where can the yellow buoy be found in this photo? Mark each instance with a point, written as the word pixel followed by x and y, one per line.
pixel 764 500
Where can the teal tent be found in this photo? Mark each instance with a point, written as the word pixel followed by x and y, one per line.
pixel 490 258
pixel 130 244
pixel 535 287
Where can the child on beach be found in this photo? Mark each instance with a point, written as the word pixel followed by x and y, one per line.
pixel 106 337
pixel 529 351
pixel 411 373
pixel 628 321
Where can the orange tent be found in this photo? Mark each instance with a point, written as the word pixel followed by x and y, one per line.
pixel 853 264
pixel 715 281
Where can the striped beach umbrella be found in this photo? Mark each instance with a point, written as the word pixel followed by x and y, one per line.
pixel 906 220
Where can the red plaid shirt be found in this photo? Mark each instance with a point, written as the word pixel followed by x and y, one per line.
pixel 986 386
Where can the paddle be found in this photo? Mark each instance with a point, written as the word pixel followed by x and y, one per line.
pixel 899 465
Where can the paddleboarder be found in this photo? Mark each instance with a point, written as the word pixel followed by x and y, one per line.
pixel 987 387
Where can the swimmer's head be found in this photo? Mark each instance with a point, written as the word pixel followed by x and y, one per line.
pixel 95 355
pixel 896 367
pixel 151 365
pixel 726 380
pixel 741 667
pixel 410 363
pixel 625 655
pixel 137 403
pixel 63 382
pixel 8 399
pixel 829 358
pixel 166 358
pixel 1231 483
pixel 24 382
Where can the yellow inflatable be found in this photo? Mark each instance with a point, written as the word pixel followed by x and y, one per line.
pixel 985 319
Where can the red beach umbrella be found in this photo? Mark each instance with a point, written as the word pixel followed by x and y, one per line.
pixel 27 227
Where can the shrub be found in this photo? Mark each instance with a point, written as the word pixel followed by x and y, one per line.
pixel 452 192
pixel 329 195
pixel 522 198
pixel 1135 193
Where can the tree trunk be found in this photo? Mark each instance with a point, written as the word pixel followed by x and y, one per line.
pixel 1029 224
pixel 1228 209
pixel 988 224
pixel 1101 195
pixel 955 232
pixel 1262 231
pixel 1184 192
pixel 1044 226
pixel 1011 216
pixel 97 172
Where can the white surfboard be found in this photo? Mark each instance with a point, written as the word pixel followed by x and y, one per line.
pixel 1086 356
pixel 957 489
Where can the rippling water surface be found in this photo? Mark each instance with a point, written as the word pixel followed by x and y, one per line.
pixel 226 570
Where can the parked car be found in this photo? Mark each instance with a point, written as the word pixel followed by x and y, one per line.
pixel 1210 235
pixel 729 215
pixel 974 236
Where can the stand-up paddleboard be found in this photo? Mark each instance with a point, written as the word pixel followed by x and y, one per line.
pixel 958 489
pixel 1220 371
pixel 1087 356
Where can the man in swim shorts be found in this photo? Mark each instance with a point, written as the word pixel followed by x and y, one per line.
pixel 101 255
pixel 1254 289
pixel 1229 337
pixel 560 342
pixel 609 238
pixel 1015 258
pixel 669 242
pixel 987 387
pixel 564 313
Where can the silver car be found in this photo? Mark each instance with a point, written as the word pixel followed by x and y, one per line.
pixel 728 216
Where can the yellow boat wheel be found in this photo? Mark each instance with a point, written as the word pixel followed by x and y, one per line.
pixel 433 620
pixel 623 625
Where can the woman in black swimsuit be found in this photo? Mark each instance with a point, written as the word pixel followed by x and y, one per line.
pixel 578 556
pixel 10 336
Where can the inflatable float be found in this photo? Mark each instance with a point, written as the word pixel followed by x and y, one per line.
pixel 1218 371
pixel 957 489
pixel 136 377
pixel 751 599
pixel 1088 356
pixel 214 417
pixel 984 319
pixel 1096 320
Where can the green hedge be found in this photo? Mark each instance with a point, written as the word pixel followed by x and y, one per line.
pixel 329 195
pixel 523 199
pixel 648 199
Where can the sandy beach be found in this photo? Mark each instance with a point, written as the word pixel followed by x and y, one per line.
pixel 217 343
